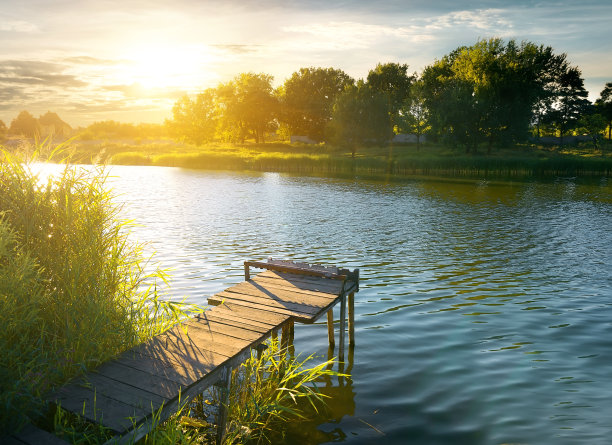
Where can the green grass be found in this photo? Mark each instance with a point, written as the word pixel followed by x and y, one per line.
pixel 73 292
pixel 402 160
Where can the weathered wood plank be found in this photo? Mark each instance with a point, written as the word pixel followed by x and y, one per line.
pixel 296 269
pixel 216 299
pixel 216 327
pixel 258 315
pixel 318 284
pixel 122 392
pixel 140 379
pixel 276 305
pixel 32 435
pixel 117 416
pixel 231 320
pixel 287 286
pixel 284 294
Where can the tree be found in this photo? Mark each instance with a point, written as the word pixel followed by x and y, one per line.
pixel 195 120
pixel 592 123
pixel 308 97
pixel 604 106
pixel 570 102
pixel 248 106
pixel 360 116
pixel 413 116
pixel 393 80
pixel 50 124
pixel 3 129
pixel 24 125
pixel 494 91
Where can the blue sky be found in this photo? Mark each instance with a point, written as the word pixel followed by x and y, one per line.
pixel 129 60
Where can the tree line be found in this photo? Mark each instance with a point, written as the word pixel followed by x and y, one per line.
pixel 493 93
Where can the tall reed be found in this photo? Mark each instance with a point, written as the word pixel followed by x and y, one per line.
pixel 73 287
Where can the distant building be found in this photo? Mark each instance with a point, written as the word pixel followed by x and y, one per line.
pixel 302 139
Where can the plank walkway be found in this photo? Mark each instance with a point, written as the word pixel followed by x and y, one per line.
pixel 151 381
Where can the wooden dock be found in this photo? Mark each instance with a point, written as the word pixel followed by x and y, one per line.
pixel 152 380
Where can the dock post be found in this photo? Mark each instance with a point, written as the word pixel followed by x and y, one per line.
pixel 247 274
pixel 351 318
pixel 342 326
pixel 330 327
pixel 224 386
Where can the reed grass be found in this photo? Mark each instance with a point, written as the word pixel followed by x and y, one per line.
pixel 73 289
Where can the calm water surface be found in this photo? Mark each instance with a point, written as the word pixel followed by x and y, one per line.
pixel 485 311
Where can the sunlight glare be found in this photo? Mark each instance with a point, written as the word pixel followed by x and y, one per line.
pixel 165 66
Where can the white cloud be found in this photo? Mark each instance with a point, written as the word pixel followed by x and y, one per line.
pixel 17 26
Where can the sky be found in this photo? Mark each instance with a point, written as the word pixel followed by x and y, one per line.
pixel 129 60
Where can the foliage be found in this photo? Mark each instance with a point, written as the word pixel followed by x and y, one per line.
pixel 604 106
pixel 195 120
pixel 266 393
pixel 248 107
pixel 25 125
pixel 120 130
pixel 492 91
pixel 360 116
pixel 393 80
pixel 73 291
pixel 413 116
pixel 307 100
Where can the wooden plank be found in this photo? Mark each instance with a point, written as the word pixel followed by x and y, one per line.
pixel 308 289
pixel 262 316
pixel 139 379
pixel 317 298
pixel 330 327
pixel 216 327
pixel 122 392
pixel 306 317
pixel 295 269
pixel 274 305
pixel 316 284
pixel 98 408
pixel 231 320
pixel 32 435
pixel 281 295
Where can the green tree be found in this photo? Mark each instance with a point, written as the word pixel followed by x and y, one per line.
pixel 308 97
pixel 493 91
pixel 413 116
pixel 25 125
pixel 360 116
pixel 604 106
pixel 393 80
pixel 248 107
pixel 195 120
pixel 570 102
pixel 592 123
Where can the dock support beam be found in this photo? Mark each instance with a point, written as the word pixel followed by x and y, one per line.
pixel 224 386
pixel 330 327
pixel 351 318
pixel 342 327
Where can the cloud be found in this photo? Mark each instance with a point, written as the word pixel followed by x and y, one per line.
pixel 19 26
pixel 30 72
pixel 237 49
pixel 88 60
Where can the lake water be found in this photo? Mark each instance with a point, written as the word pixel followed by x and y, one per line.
pixel 485 311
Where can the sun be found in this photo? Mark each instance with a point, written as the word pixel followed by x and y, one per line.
pixel 166 66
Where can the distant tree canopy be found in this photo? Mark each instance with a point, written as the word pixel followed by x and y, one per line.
pixel 394 82
pixel 360 116
pixel 24 125
pixel 492 93
pixel 604 106
pixel 3 128
pixel 307 100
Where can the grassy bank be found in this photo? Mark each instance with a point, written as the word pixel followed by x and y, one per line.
pixel 429 160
